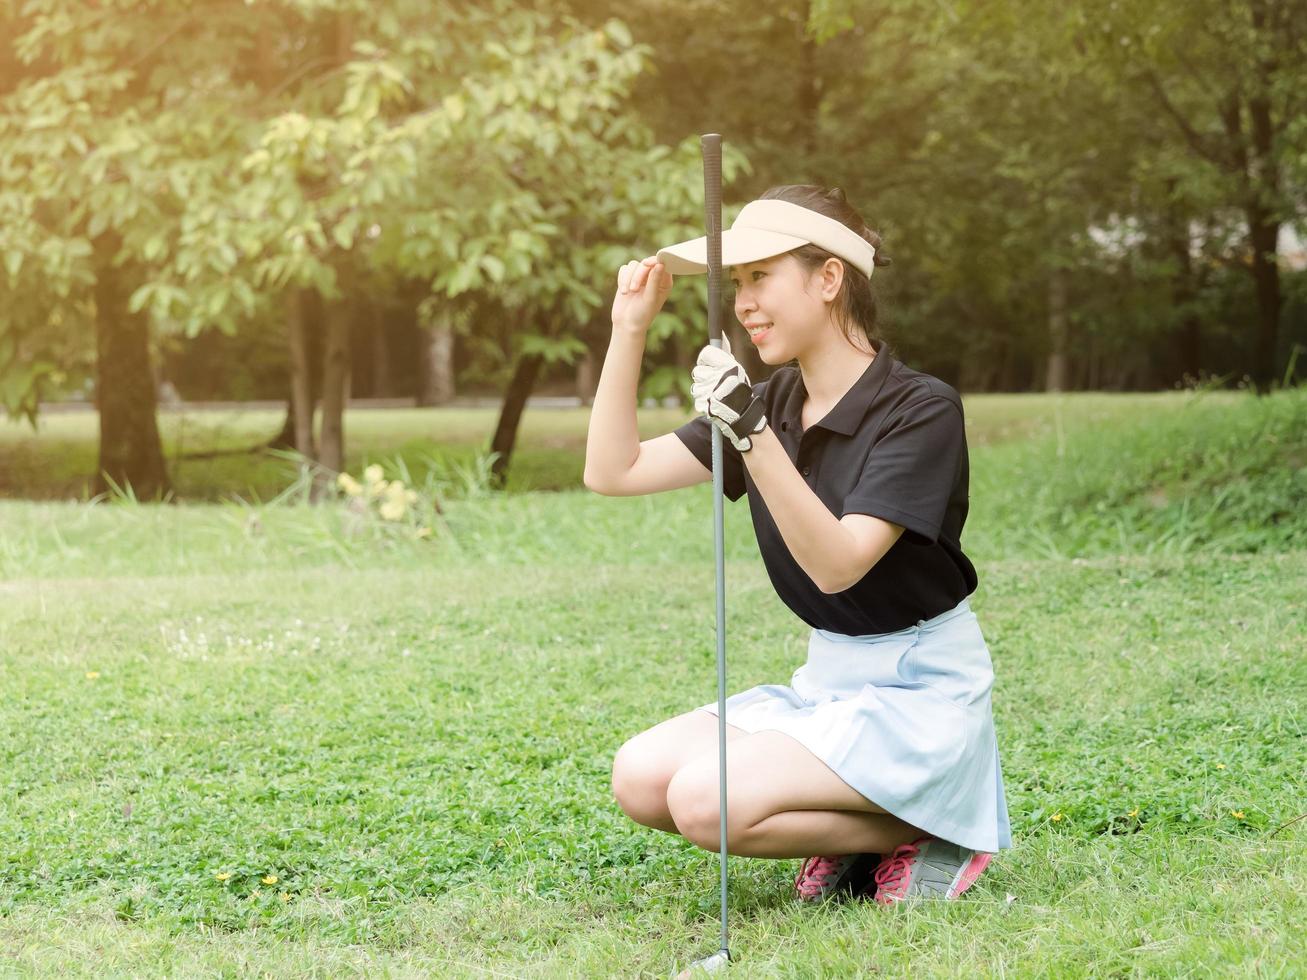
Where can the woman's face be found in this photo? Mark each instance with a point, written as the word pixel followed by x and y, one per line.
pixel 781 306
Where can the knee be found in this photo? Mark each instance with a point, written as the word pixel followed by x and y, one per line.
pixel 640 784
pixel 693 800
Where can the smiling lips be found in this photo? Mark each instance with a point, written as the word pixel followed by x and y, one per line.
pixel 757 331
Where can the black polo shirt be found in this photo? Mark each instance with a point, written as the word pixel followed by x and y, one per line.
pixel 893 447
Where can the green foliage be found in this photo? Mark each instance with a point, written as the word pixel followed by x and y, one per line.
pixel 504 158
pixel 485 151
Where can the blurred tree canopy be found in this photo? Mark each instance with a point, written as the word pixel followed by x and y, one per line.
pixel 1081 195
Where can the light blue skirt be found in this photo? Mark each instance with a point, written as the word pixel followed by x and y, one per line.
pixel 904 718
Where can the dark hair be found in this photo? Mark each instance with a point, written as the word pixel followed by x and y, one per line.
pixel 855 306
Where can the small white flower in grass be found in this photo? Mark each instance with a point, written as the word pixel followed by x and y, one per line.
pixel 392 510
pixel 349 485
pixel 373 474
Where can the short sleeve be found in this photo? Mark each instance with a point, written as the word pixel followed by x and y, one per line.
pixel 912 469
pixel 697 436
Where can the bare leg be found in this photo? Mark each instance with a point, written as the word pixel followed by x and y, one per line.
pixel 782 802
pixel 646 763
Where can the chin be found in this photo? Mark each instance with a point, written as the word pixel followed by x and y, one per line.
pixel 772 355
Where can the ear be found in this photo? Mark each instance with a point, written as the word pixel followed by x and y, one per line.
pixel 831 278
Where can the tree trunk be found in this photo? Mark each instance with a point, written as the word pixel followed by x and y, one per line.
pixel 1183 292
pixel 587 377
pixel 335 388
pixel 1057 332
pixel 1263 227
pixel 438 360
pixel 808 78
pixel 380 351
pixel 130 452
pixel 301 374
pixel 519 390
pixel 1264 234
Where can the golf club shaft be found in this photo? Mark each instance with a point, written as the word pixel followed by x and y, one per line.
pixel 711 145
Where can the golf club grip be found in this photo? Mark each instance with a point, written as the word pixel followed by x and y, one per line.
pixel 711 144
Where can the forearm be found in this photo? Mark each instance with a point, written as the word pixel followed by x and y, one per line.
pixel 823 547
pixel 613 441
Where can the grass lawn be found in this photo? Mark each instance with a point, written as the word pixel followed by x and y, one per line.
pixel 55 460
pixel 247 739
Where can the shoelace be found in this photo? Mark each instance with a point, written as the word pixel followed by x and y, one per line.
pixel 815 873
pixel 892 876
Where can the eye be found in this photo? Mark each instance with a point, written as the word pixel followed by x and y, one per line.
pixel 757 273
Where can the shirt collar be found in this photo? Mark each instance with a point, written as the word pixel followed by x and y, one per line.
pixel 852 407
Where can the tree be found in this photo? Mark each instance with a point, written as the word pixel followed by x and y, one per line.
pixel 97 152
pixel 1229 81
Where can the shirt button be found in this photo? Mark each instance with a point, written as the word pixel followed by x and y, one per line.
pixel 806 470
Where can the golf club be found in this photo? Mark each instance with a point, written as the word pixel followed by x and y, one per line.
pixel 711 145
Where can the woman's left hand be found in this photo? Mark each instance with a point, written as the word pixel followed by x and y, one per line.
pixel 721 390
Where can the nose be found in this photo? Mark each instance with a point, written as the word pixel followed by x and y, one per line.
pixel 743 303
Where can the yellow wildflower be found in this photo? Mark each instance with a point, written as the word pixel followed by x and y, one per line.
pixel 92 675
pixel 1237 814
pixel 349 485
pixel 1056 818
pixel 422 532
pixel 255 894
pixel 392 510
pixel 1220 765
pixel 222 875
pixel 284 897
pixel 270 879
pixel 373 474
pixel 1133 813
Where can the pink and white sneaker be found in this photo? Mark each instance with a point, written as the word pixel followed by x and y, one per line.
pixel 927 868
pixel 824 878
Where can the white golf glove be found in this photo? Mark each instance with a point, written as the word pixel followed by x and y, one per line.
pixel 721 391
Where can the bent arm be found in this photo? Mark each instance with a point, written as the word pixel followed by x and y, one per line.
pixel 834 552
pixel 617 463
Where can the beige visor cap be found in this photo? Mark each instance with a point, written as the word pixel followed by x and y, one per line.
pixel 767 228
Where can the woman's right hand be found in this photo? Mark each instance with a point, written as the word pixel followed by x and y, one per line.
pixel 642 288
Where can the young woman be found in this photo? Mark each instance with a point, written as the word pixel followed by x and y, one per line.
pixel 877 763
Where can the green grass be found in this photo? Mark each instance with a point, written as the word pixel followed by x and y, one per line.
pixel 415 735
pixel 55 460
